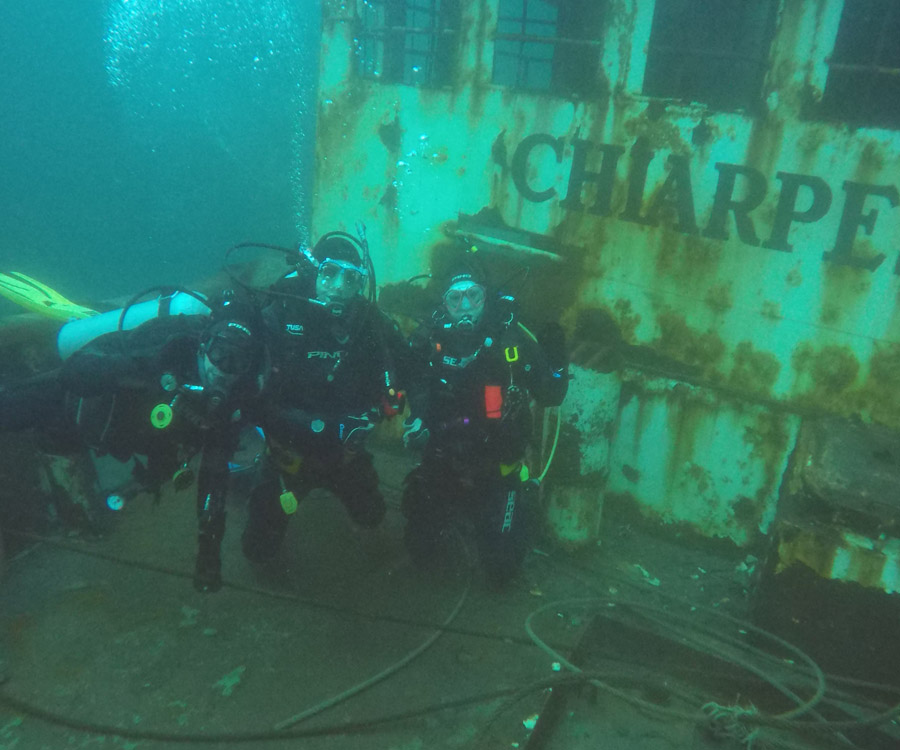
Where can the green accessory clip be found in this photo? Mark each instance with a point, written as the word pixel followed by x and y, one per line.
pixel 161 416
pixel 287 498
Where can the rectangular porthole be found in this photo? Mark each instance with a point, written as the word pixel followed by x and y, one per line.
pixel 709 51
pixel 413 42
pixel 863 85
pixel 548 45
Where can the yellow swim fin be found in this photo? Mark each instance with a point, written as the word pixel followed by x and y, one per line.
pixel 40 298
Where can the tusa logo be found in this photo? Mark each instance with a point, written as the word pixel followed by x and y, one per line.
pixel 294 329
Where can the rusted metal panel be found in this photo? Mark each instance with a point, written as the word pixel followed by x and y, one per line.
pixel 792 302
pixel 691 457
pixel 686 455
pixel 574 498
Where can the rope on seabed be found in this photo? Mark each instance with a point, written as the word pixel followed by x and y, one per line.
pixel 730 720
pixel 340 729
pixel 724 722
pixel 396 667
pixel 876 719
pixel 803 707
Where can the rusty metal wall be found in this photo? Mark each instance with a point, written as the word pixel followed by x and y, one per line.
pixel 807 324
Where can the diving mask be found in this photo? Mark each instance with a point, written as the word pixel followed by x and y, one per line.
pixel 339 281
pixel 226 358
pixel 464 301
pixel 231 348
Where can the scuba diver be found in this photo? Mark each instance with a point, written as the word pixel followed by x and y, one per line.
pixel 333 378
pixel 166 390
pixel 470 409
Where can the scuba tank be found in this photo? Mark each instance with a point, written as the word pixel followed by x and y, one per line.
pixel 75 334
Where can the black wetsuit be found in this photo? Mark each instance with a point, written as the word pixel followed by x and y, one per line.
pixel 136 393
pixel 331 382
pixel 473 392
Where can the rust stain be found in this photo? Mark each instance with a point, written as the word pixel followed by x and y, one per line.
pixel 391 134
pixel 657 130
pixel 818 548
pixel 683 344
pixel 478 87
pixel 807 548
pixel 753 371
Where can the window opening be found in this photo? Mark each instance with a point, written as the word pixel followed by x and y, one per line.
pixel 408 41
pixel 863 85
pixel 548 45
pixel 710 51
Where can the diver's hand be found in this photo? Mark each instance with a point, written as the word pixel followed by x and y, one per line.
pixel 353 431
pixel 415 433
pixel 553 340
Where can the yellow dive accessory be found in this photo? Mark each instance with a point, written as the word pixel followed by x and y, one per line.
pixel 182 478
pixel 286 460
pixel 161 416
pixel 40 298
pixel 507 469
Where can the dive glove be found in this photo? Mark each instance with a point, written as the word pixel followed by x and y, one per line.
pixel 353 431
pixel 415 433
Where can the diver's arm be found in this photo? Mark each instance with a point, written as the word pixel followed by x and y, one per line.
pixel 106 365
pixel 418 372
pixel 126 359
pixel 549 373
pixel 91 373
pixel 335 428
pixel 288 420
pixel 416 432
